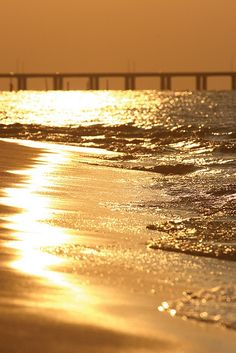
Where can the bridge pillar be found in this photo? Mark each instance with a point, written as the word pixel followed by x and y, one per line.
pixel 93 83
pixel 168 83
pixel 204 82
pixel 57 82
pixel 90 84
pixel 162 83
pixel 233 82
pixel 198 83
pixel 201 82
pixel 165 84
pixel 127 83
pixel 11 86
pixel 21 83
pixel 130 82
pixel 55 86
pixel 96 82
pixel 60 83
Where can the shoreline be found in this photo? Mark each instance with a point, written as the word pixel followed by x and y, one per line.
pixel 102 255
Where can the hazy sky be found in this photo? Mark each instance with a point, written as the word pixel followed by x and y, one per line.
pixel 104 35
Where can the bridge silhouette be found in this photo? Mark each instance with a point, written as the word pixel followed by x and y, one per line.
pixel 93 78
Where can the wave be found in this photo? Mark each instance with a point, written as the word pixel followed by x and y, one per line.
pixel 196 236
pixel 166 169
pixel 223 190
pixel 228 147
pixel 175 169
pixel 212 305
pixel 127 138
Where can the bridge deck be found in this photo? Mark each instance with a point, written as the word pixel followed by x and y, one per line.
pixel 129 78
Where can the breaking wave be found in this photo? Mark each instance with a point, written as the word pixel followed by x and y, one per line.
pixel 214 305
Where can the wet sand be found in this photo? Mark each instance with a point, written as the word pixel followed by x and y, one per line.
pixel 76 275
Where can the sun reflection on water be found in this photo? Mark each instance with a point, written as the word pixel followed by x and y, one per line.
pixel 71 108
pixel 32 235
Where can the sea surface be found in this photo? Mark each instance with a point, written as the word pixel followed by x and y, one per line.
pixel 187 140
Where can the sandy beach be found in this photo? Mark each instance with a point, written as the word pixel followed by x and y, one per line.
pixel 76 273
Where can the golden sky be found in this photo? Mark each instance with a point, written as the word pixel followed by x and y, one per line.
pixel 107 35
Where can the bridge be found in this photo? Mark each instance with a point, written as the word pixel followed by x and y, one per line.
pixel 129 79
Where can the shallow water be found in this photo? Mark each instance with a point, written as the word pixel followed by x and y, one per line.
pixel 185 140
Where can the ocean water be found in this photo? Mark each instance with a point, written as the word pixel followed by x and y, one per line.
pixel 187 140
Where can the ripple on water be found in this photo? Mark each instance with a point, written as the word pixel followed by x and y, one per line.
pixel 196 236
pixel 214 305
